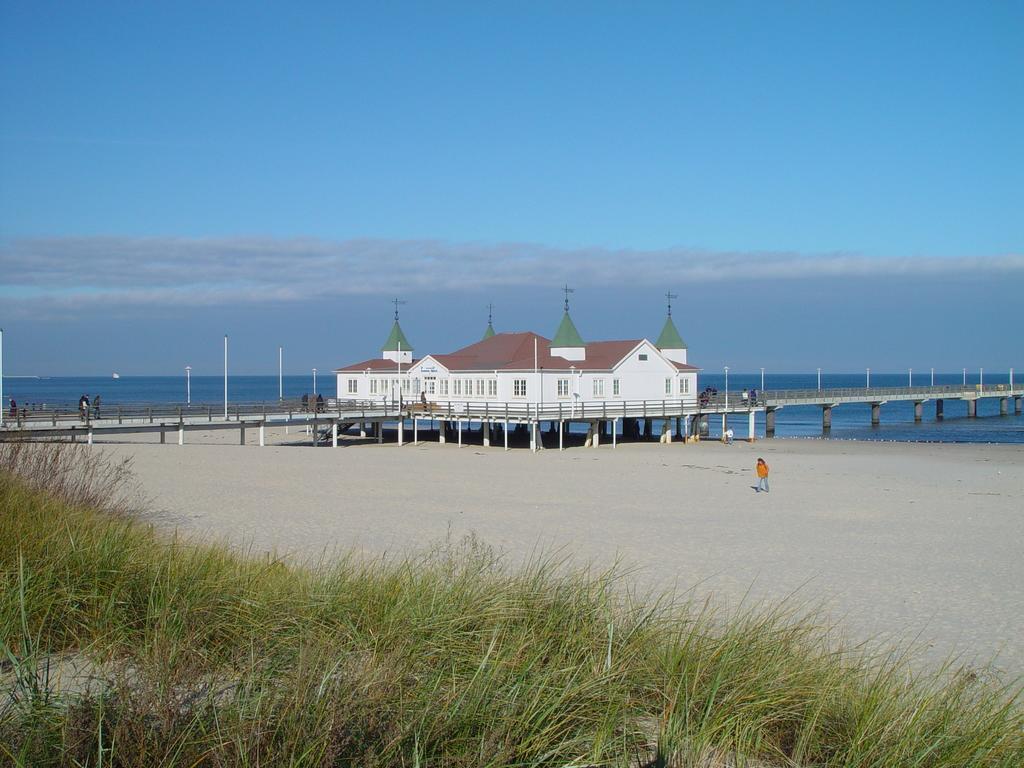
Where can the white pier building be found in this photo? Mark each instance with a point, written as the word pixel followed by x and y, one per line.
pixel 526 368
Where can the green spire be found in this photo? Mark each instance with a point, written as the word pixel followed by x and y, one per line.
pixel 489 332
pixel 567 335
pixel 670 338
pixel 395 338
pixel 490 323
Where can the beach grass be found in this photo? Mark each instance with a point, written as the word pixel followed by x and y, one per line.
pixel 124 647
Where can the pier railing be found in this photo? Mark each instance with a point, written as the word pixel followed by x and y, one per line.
pixel 880 394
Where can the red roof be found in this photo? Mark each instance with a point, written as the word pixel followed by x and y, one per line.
pixel 376 365
pixel 514 352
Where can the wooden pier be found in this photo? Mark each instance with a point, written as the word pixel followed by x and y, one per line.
pixel 664 420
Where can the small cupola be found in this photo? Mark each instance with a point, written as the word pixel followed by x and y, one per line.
pixel 397 347
pixel 567 342
pixel 490 323
pixel 670 342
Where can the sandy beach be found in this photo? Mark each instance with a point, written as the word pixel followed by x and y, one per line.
pixel 907 541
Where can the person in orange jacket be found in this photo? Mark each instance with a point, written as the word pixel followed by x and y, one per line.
pixel 762 475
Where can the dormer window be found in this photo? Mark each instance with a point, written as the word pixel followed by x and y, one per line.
pixel 643 356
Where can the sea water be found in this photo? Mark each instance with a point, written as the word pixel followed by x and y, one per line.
pixel 849 421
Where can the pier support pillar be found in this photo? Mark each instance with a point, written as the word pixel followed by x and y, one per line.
pixel 163 435
pixel 615 432
pixel 876 414
pixel 596 427
pixel 442 430
pixel 939 406
pixel 972 409
pixel 241 434
pixel 181 433
pixel 504 432
pixel 88 439
pixel 487 434
pixel 380 432
pixel 918 411
pixel 561 435
pixel 750 427
pixel 334 434
pixel 679 431
pixel 263 437
pixel 648 429
pixel 1016 405
pixel 703 427
pixel 459 423
pixel 362 429
pixel 666 432
pixel 401 432
pixel 1004 406
pixel 769 422
pixel 826 418
pixel 725 424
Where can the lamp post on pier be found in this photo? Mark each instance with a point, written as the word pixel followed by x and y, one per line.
pixel 762 379
pixel 965 378
pixel 225 377
pixel 819 379
pixel 981 378
pixel 1011 378
pixel 280 373
pixel 727 387
pixel 910 377
pixel 1 377
pixel 867 384
pixel 188 385
pixel 314 381
pixel 933 377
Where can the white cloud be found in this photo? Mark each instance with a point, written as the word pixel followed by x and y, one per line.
pixel 73 273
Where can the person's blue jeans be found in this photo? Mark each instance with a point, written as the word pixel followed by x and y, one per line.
pixel 762 483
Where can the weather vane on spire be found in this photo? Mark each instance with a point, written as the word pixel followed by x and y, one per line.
pixel 490 314
pixel 567 290
pixel 396 302
pixel 670 296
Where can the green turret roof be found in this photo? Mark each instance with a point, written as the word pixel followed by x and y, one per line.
pixel 395 338
pixel 670 338
pixel 567 335
pixel 489 332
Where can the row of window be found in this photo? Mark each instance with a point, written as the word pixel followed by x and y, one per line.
pixel 489 387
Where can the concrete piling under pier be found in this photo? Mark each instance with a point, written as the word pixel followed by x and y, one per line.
pixel 876 414
pixel 918 410
pixel 1017 405
pixel 939 406
pixel 826 418
pixel 769 422
pixel 1004 406
pixel 972 409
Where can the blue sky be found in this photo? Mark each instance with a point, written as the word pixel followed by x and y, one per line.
pixel 825 184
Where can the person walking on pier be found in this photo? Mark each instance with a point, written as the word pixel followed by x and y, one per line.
pixel 83 407
pixel 762 475
pixel 96 407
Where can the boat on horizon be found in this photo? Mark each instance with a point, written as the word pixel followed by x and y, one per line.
pixel 116 375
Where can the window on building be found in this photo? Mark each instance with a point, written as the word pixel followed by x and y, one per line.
pixel 431 385
pixel 598 387
pixel 492 387
pixel 563 387
pixel 467 387
pixel 615 388
pixel 406 386
pixel 456 386
pixel 643 356
pixel 668 386
pixel 353 386
pixel 519 387
pixel 684 385
pixel 443 384
pixel 479 387
pixel 373 386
